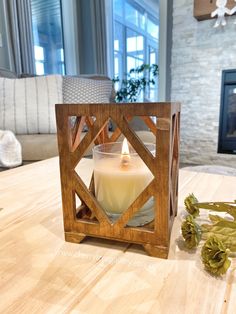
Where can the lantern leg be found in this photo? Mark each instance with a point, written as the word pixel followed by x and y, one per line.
pixel 156 251
pixel 74 237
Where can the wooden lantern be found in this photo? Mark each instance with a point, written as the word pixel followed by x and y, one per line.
pixel 90 219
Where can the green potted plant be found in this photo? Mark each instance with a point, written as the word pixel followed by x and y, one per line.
pixel 137 80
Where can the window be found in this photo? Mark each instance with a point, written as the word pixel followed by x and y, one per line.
pixel 39 60
pixel 47 36
pixel 118 48
pixel 134 49
pixel 136 37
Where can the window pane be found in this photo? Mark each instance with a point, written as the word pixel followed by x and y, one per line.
pixel 152 92
pixel 38 53
pixel 47 33
pixel 118 62
pixel 142 20
pixel 131 63
pixel 118 50
pixel 131 14
pixel 135 16
pixel 152 58
pixel 118 37
pixel 60 54
pixel 135 42
pixel 116 68
pixel 131 44
pixel 118 7
pixel 135 51
pixel 152 28
pixel 152 55
pixel 39 68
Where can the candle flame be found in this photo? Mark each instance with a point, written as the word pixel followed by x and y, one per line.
pixel 125 155
pixel 125 147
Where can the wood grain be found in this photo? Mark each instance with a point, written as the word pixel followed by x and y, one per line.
pixel 41 273
pixel 164 167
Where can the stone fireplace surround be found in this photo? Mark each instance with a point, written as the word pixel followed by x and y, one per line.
pixel 199 54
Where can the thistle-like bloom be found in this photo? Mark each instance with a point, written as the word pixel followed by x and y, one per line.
pixel 191 232
pixel 189 203
pixel 215 256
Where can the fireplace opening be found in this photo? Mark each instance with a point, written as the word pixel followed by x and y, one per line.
pixel 227 123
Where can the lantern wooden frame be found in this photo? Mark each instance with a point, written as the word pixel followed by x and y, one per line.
pixel 90 219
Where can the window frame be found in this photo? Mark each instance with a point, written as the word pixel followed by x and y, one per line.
pixel 148 39
pixel 44 38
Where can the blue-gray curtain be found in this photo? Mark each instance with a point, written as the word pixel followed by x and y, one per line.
pixel 99 35
pixel 20 35
pixel 93 43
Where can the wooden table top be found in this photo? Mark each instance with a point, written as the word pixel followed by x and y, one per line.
pixel 41 273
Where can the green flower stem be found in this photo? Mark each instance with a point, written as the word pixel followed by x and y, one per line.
pixel 224 230
pixel 215 218
pixel 219 207
pixel 227 226
pixel 228 242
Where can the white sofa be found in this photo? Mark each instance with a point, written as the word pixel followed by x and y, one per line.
pixel 27 107
pixel 29 111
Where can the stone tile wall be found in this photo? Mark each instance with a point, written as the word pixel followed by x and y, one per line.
pixel 199 54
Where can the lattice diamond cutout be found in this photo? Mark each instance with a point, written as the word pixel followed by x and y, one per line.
pixel 115 194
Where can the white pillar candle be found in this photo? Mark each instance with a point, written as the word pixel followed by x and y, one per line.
pixel 119 179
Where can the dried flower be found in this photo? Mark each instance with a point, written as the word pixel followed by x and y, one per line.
pixel 215 256
pixel 191 232
pixel 189 203
pixel 220 234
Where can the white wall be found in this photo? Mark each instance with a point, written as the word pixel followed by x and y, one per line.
pixel 199 54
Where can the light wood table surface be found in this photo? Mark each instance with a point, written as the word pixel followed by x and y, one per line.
pixel 41 273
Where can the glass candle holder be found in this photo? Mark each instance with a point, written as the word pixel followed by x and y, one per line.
pixel 120 176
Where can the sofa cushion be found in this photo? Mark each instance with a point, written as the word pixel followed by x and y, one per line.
pixel 38 146
pixel 43 146
pixel 28 105
pixel 85 90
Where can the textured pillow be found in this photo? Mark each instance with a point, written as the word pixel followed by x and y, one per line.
pixel 83 90
pixel 27 106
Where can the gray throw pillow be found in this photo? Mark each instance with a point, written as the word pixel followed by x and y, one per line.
pixel 83 90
